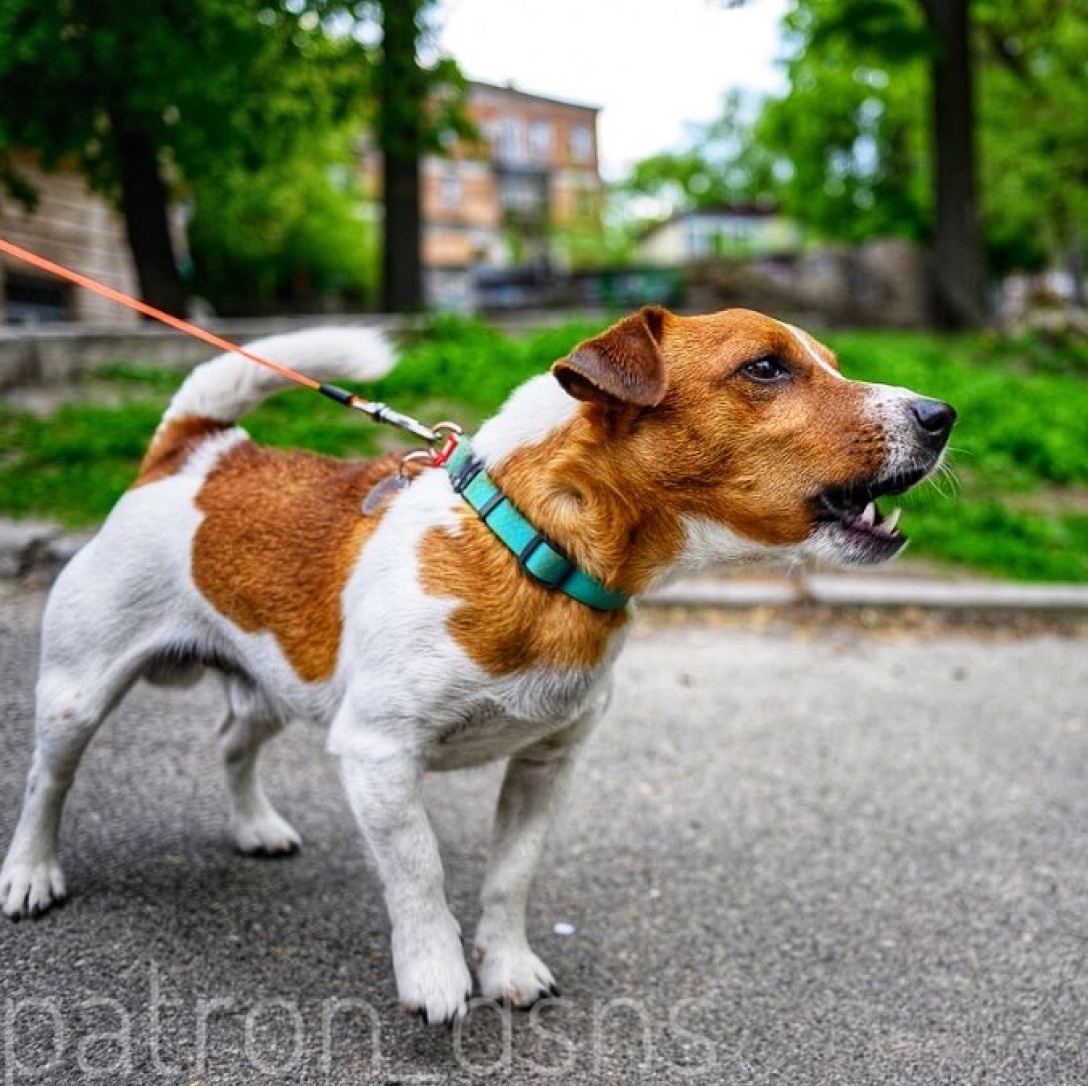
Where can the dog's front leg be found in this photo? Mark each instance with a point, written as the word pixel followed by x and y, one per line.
pixel 385 790
pixel 508 969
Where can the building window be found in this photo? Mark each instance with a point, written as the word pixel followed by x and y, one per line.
pixel 30 299
pixel 526 193
pixel 507 139
pixel 450 190
pixel 540 140
pixel 581 143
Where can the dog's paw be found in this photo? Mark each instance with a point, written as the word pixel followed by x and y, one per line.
pixel 270 834
pixel 29 889
pixel 514 976
pixel 433 980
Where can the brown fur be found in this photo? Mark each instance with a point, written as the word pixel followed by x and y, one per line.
pixel 507 622
pixel 280 535
pixel 173 444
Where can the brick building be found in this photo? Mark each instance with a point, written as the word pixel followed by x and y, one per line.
pixel 71 226
pixel 502 205
pixel 497 208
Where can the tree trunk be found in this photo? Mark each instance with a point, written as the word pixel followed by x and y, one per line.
pixel 402 271
pixel 144 206
pixel 958 259
pixel 401 94
pixel 1075 260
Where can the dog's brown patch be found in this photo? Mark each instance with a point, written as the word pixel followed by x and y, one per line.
pixel 507 622
pixel 173 444
pixel 280 535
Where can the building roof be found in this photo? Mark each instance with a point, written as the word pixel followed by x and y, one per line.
pixel 515 91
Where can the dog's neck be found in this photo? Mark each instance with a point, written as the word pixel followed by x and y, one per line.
pixel 548 454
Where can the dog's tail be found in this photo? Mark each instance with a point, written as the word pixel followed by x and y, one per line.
pixel 229 386
pixel 219 392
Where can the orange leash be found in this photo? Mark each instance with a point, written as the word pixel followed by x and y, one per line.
pixel 378 411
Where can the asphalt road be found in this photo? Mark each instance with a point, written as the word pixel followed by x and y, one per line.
pixel 792 856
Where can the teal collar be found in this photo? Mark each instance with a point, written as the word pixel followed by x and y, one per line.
pixel 542 560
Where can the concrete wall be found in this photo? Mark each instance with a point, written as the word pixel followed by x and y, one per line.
pixel 60 353
pixel 54 354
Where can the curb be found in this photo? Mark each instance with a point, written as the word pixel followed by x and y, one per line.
pixel 33 552
pixel 851 591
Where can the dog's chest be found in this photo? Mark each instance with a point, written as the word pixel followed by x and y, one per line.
pixel 504 718
pixel 488 733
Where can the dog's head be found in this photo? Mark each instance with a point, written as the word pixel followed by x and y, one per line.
pixel 743 434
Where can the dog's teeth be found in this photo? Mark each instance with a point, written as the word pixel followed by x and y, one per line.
pixel 891 520
pixel 867 517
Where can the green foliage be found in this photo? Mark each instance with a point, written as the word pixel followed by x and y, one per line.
pixel 851 132
pixel 208 82
pixel 250 107
pixel 293 233
pixel 725 165
pixel 1015 503
pixel 74 465
pixel 471 366
pixel 1034 105
pixel 847 150
pixel 239 101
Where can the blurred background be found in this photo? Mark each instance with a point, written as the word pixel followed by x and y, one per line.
pixel 912 162
pixel 909 178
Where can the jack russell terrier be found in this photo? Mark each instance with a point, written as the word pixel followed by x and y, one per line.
pixel 474 614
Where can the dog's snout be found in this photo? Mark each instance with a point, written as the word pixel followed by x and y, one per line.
pixel 934 418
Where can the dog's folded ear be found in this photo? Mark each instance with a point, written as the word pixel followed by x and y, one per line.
pixel 622 365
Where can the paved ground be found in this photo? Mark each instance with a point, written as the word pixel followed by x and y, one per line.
pixel 794 854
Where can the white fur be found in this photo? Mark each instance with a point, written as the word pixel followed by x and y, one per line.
pixel 706 542
pixel 231 385
pixel 890 406
pixel 532 412
pixel 808 345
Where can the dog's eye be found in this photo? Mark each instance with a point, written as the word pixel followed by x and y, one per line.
pixel 766 370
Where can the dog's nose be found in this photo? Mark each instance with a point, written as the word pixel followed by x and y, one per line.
pixel 934 419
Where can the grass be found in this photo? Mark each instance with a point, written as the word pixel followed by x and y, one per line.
pixel 1017 505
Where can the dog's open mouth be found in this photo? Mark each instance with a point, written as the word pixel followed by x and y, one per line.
pixel 872 534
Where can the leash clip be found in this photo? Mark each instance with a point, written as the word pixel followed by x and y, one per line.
pixel 446 432
pixel 452 434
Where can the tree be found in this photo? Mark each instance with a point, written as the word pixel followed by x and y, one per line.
pixel 1034 107
pixel 959 272
pixel 888 32
pixel 419 108
pixel 402 93
pixel 848 142
pixel 990 173
pixel 724 165
pixel 146 105
pixel 297 233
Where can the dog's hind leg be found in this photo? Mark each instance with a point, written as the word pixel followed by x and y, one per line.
pixel 71 704
pixel 257 828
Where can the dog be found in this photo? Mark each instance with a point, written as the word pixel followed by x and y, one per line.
pixel 475 610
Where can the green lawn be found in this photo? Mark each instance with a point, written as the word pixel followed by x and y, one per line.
pixel 1015 503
